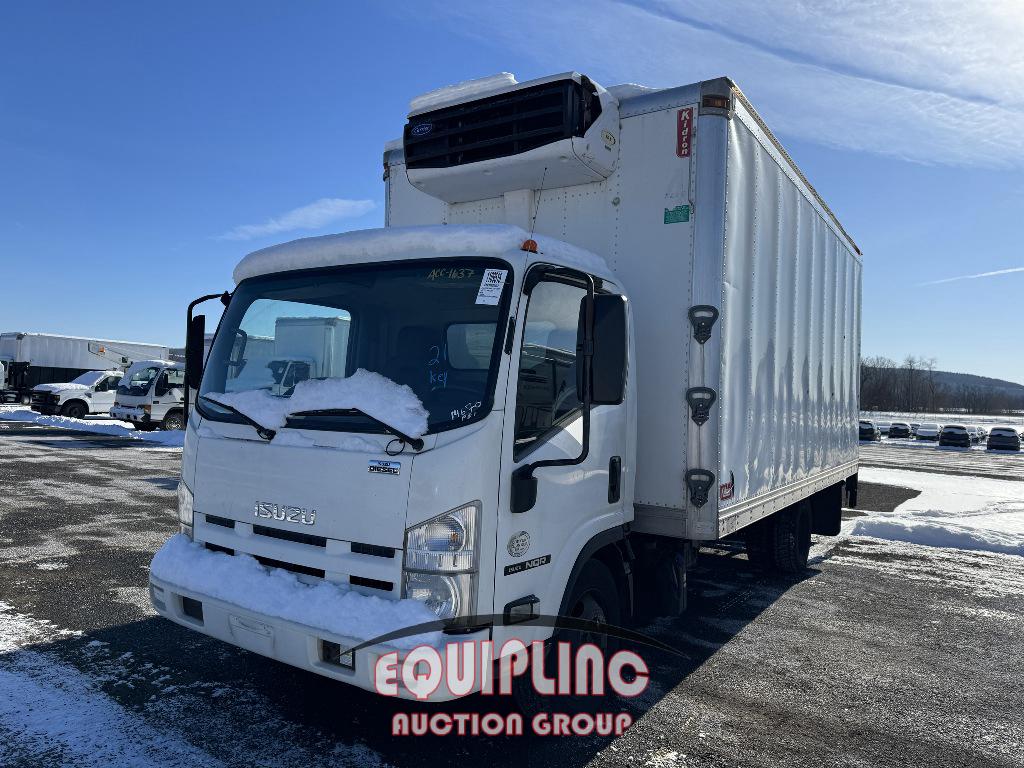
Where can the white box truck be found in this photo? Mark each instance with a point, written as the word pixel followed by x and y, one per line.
pixel 31 359
pixel 633 327
pixel 151 394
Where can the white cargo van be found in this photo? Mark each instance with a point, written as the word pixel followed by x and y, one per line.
pixel 152 395
pixel 601 328
pixel 92 392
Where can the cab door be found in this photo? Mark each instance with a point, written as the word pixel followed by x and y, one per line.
pixel 103 394
pixel 536 549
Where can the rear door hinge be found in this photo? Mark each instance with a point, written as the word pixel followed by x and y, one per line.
pixel 699 482
pixel 702 318
pixel 700 399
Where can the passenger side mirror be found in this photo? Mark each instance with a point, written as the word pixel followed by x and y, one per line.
pixel 194 351
pixel 608 367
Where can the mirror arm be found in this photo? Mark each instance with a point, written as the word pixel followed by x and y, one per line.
pixel 524 483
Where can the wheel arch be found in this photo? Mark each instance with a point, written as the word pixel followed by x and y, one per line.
pixel 611 549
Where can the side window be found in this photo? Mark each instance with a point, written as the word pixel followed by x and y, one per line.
pixel 546 387
pixel 175 377
pixel 112 382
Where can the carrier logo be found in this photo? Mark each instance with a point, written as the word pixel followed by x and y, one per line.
pixel 421 129
pixel 284 514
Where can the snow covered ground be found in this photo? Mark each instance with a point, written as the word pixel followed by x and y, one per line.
pixel 95 425
pixel 951 511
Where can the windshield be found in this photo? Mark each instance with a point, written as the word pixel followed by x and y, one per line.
pixel 89 378
pixel 434 326
pixel 139 380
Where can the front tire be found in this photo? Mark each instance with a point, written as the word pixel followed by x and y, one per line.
pixel 74 410
pixel 595 597
pixel 173 420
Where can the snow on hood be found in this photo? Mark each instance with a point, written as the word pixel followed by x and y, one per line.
pixel 65 387
pixel 242 581
pixel 367 245
pixel 378 396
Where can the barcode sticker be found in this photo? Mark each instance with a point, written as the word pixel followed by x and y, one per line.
pixel 490 286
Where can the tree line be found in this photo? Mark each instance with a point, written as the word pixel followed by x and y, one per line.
pixel 916 385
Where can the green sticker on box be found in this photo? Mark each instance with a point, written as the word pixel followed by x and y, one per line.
pixel 677 215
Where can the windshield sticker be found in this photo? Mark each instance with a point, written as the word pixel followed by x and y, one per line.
pixel 385 467
pixel 491 285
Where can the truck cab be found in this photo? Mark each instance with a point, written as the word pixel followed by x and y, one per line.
pixel 151 395
pixel 92 392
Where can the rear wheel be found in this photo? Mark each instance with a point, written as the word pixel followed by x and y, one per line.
pixel 791 538
pixel 74 410
pixel 173 420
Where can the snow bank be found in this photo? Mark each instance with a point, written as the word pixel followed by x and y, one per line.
pixel 173 439
pixel 366 245
pixel 378 396
pixel 242 581
pixel 463 91
pixel 952 511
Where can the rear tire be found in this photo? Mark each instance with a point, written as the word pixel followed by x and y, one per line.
pixel 74 410
pixel 791 538
pixel 173 420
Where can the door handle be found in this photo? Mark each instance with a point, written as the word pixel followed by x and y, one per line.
pixel 614 479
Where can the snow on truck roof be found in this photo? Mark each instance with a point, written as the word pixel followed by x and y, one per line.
pixel 397 243
pixel 80 338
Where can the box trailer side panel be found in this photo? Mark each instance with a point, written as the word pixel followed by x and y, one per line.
pixel 790 343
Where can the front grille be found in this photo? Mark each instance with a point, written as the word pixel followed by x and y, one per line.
pixel 221 521
pixel 373 549
pixel 301 538
pixel 293 567
pixel 502 125
pixel 362 581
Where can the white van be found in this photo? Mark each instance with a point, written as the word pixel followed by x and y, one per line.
pixel 152 395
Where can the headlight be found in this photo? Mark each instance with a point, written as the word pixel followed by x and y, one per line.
pixel 441 561
pixel 184 507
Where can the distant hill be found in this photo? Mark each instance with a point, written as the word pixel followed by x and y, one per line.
pixel 957 381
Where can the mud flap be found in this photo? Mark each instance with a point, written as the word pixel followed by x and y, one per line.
pixel 827 511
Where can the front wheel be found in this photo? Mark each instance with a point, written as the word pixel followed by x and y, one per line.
pixel 173 420
pixel 595 600
pixel 74 410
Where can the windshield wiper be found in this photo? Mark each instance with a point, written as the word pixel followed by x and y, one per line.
pixel 264 432
pixel 415 442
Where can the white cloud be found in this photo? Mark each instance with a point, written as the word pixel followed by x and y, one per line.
pixel 924 81
pixel 325 211
pixel 995 273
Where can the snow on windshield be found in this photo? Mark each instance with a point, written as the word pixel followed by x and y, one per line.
pixel 89 378
pixel 377 396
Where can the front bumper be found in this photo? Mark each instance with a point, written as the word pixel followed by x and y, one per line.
pixel 1003 444
pixel 283 640
pixel 48 409
pixel 947 443
pixel 132 413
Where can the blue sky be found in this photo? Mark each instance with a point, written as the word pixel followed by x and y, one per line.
pixel 145 148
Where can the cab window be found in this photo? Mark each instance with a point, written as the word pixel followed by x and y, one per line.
pixel 546 397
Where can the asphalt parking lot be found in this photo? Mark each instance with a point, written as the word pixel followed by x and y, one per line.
pixel 884 654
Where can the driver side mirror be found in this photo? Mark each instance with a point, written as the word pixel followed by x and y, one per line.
pixel 607 383
pixel 194 351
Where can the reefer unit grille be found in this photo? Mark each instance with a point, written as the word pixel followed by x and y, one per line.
pixel 502 125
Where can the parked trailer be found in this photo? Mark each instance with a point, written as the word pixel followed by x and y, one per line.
pixel 635 327
pixel 31 359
